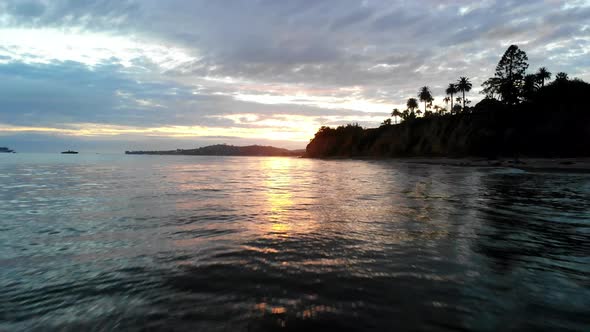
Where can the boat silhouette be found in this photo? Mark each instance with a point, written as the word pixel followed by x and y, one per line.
pixel 69 152
pixel 6 150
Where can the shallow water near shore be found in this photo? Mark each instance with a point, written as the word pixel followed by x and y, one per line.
pixel 184 243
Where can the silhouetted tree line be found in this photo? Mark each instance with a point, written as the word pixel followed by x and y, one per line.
pixel 521 113
pixel 510 85
pixel 413 111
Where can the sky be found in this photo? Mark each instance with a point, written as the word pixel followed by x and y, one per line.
pixel 115 75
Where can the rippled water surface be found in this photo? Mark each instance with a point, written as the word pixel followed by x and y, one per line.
pixel 96 242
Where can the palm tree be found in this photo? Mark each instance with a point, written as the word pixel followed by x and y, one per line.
pixel 464 85
pixel 395 114
pixel 412 104
pixel 425 95
pixel 457 108
pixel 437 109
pixel 531 84
pixel 451 90
pixel 561 76
pixel 543 74
pixel 405 115
pixel 446 100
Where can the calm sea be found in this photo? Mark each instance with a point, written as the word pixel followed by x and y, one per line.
pixel 174 243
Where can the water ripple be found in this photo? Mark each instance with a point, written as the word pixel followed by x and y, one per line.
pixel 256 244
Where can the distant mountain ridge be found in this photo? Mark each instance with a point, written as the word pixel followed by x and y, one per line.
pixel 227 150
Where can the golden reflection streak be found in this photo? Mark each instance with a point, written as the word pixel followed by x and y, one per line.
pixel 277 182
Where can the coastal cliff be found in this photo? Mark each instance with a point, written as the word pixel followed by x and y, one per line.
pixel 555 122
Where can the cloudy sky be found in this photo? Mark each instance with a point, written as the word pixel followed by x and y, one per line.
pixel 112 75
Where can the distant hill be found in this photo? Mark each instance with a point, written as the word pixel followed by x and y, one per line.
pixel 227 150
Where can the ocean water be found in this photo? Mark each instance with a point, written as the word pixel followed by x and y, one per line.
pixel 182 243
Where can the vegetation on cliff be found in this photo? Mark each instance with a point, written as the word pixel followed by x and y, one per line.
pixel 521 115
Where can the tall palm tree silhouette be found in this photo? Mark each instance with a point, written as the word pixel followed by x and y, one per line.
pixel 412 104
pixel 396 114
pixel 451 90
pixel 543 74
pixel 446 100
pixel 425 95
pixel 464 85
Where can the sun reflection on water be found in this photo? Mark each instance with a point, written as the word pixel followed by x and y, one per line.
pixel 278 197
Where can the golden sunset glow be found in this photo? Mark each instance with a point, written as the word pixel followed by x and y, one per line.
pixel 284 127
pixel 291 133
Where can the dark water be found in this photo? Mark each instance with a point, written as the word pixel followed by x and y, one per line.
pixel 92 243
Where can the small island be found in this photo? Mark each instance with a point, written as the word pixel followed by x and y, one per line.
pixel 522 116
pixel 6 150
pixel 228 150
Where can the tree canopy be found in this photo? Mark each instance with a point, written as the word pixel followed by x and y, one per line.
pixel 425 96
pixel 561 77
pixel 543 74
pixel 412 104
pixel 464 85
pixel 510 86
pixel 509 77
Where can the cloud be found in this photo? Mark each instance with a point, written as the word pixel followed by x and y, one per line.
pixel 155 64
pixel 71 99
pixel 26 9
pixel 353 18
